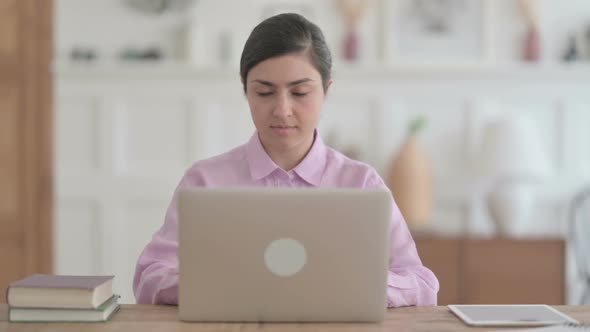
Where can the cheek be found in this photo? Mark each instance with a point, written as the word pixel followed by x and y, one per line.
pixel 311 107
pixel 259 113
pixel 257 106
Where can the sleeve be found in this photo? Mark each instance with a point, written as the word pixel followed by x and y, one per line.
pixel 409 283
pixel 156 273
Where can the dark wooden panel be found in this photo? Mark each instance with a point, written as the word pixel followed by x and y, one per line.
pixel 9 170
pixel 441 256
pixel 44 127
pixel 514 271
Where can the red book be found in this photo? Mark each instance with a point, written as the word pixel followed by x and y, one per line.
pixel 60 291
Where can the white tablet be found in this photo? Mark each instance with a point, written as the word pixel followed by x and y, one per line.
pixel 510 315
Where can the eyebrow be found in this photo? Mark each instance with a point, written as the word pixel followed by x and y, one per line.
pixel 267 83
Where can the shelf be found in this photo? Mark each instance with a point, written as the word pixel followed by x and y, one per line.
pixel 175 70
pixel 145 69
pixel 458 71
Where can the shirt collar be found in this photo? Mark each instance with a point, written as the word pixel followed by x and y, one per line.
pixel 310 169
pixel 259 161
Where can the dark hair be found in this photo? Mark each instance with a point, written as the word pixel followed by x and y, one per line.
pixel 283 34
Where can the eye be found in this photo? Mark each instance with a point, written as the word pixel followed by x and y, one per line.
pixel 299 94
pixel 264 94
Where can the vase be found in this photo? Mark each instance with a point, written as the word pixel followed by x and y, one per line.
pixel 351 45
pixel 411 181
pixel 532 48
pixel 511 206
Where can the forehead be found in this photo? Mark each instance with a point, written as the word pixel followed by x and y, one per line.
pixel 284 68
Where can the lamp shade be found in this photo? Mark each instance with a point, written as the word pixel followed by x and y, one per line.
pixel 512 148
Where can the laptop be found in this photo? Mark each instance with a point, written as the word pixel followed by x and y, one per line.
pixel 283 255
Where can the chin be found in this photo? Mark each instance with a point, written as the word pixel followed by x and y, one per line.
pixel 285 142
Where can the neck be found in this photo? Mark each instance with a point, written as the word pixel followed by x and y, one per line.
pixel 287 159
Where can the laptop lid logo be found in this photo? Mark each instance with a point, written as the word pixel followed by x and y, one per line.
pixel 285 257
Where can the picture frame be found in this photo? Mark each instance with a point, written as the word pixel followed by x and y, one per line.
pixel 437 33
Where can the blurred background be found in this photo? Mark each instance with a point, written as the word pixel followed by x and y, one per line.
pixel 475 112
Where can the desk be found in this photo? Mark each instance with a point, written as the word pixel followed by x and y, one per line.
pixel 164 318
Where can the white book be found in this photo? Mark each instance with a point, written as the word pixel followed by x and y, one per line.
pixel 101 314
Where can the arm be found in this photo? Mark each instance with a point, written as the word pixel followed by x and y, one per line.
pixel 156 273
pixel 408 281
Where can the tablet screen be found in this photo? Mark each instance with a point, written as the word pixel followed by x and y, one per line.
pixel 509 314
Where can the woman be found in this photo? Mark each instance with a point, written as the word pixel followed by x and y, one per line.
pixel 285 71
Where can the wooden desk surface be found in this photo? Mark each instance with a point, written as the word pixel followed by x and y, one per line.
pixel 164 318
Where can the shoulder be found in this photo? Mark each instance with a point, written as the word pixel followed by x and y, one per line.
pixel 349 170
pixel 218 167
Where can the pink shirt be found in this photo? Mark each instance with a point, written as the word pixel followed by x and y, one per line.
pixel 156 274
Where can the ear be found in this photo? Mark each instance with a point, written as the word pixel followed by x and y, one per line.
pixel 328 86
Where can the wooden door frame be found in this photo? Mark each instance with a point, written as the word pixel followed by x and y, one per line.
pixel 35 132
pixel 38 154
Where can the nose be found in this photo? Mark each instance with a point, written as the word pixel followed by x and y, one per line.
pixel 282 108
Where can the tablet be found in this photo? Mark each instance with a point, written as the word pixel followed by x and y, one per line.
pixel 510 315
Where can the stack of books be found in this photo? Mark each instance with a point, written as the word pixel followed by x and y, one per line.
pixel 60 298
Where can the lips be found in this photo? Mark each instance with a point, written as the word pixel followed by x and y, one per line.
pixel 283 130
pixel 283 127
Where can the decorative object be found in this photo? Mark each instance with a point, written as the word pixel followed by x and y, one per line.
pixel 352 11
pixel 437 32
pixel 83 54
pixel 147 54
pixel 411 180
pixel 531 50
pixel 182 45
pixel 513 159
pixel 578 46
pixel 571 53
pixel 159 7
